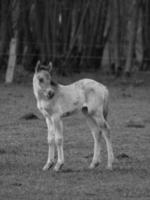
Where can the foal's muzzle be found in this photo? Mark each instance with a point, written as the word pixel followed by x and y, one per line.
pixel 50 94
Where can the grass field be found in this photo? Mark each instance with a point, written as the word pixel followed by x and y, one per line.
pixel 23 150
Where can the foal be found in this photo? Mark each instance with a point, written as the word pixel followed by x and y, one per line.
pixel 56 100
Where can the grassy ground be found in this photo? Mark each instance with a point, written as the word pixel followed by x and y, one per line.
pixel 23 150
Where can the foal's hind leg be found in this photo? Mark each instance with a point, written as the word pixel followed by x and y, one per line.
pixel 106 135
pixel 97 142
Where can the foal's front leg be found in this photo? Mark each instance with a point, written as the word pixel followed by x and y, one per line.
pixel 51 144
pixel 59 142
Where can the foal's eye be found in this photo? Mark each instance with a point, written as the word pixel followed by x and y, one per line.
pixel 41 80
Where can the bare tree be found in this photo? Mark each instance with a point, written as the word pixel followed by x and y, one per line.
pixel 4 28
pixel 132 31
pixel 15 5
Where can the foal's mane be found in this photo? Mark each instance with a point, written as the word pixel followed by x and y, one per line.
pixel 54 84
pixel 43 67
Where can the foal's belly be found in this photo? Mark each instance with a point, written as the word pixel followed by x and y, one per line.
pixel 72 104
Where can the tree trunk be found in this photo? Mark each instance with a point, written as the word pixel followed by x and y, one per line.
pixel 115 36
pixel 146 33
pixel 72 42
pixel 13 43
pixel 4 29
pixel 132 30
pixel 11 61
pixel 27 35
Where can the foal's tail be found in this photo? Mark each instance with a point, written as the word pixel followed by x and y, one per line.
pixel 105 105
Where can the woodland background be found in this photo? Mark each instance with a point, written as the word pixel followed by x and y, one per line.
pixel 79 35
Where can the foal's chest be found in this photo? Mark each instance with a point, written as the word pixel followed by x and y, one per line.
pixel 45 108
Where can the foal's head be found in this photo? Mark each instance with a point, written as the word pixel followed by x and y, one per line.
pixel 42 80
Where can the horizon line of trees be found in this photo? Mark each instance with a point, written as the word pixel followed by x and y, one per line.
pixel 111 35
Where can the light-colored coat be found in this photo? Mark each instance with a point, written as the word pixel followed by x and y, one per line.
pixel 56 101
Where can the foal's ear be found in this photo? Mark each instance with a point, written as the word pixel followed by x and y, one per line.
pixel 50 67
pixel 38 65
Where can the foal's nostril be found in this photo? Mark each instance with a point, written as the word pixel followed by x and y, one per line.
pixel 50 94
pixel 41 80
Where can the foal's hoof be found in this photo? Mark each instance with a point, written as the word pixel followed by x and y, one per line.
pixel 48 166
pixel 94 165
pixel 58 167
